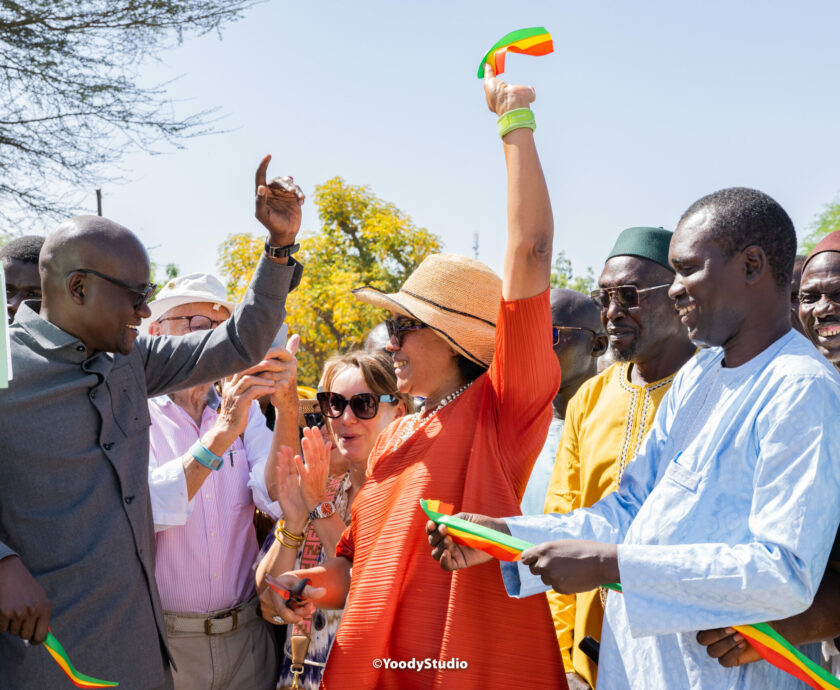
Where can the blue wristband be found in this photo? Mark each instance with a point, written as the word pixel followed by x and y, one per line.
pixel 205 457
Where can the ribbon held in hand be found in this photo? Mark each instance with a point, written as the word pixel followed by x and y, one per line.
pixel 773 648
pixel 783 655
pixel 776 650
pixel 497 544
pixel 80 680
pixel 536 41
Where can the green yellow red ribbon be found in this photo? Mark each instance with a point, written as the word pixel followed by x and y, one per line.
pixel 534 41
pixel 776 650
pixel 497 544
pixel 783 655
pixel 80 680
pixel 772 647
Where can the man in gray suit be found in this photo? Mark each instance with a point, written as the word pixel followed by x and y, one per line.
pixel 76 534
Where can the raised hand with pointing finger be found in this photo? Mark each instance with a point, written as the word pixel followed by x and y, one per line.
pixel 278 206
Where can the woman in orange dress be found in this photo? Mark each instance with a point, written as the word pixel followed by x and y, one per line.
pixel 478 349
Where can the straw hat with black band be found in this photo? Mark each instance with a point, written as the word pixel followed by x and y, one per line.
pixel 458 298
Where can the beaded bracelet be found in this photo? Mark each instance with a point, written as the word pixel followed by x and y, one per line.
pixel 516 119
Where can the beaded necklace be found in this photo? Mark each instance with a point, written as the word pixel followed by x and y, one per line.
pixel 417 421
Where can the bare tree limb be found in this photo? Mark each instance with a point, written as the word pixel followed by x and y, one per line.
pixel 70 100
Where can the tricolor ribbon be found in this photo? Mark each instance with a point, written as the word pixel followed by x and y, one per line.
pixel 80 680
pixel 535 41
pixel 497 544
pixel 772 647
pixel 776 650
pixel 783 655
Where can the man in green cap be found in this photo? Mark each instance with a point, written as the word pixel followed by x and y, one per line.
pixel 611 413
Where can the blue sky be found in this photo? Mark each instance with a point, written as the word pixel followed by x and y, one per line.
pixel 643 108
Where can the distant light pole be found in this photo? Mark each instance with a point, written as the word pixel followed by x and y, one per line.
pixel 475 245
pixel 98 202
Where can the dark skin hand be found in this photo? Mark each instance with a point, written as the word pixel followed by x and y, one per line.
pixel 728 647
pixel 278 207
pixel 454 556
pixel 818 622
pixel 24 607
pixel 567 566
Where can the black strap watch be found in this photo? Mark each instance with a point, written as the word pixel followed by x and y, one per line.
pixel 280 252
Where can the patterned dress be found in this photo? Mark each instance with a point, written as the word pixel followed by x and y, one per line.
pixel 324 623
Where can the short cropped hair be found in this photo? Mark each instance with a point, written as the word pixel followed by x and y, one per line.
pixel 25 249
pixel 741 217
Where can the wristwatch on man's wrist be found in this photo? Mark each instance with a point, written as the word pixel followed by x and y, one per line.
pixel 323 510
pixel 280 252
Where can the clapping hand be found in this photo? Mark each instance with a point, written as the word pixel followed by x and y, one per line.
pixel 238 391
pixel 315 472
pixel 295 512
pixel 302 486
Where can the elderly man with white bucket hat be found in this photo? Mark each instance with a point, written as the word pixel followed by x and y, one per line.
pixel 205 442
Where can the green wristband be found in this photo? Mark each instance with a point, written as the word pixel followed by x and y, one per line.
pixel 516 119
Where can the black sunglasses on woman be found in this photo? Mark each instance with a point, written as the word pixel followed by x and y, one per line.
pixel 363 405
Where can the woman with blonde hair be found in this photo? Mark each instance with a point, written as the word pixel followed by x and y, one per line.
pixel 479 350
pixel 358 398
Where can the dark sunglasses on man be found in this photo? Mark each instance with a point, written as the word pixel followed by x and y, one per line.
pixel 627 296
pixel 559 333
pixel 363 405
pixel 401 325
pixel 143 295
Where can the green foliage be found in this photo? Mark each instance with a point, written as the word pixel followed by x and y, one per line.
pixel 562 275
pixel 826 222
pixel 363 240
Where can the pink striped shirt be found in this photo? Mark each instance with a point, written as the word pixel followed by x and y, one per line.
pixel 205 564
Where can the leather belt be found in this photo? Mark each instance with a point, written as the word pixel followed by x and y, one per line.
pixel 214 623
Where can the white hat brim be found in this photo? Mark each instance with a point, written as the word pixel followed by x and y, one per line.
pixel 159 307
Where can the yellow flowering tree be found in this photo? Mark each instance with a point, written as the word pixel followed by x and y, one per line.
pixel 363 240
